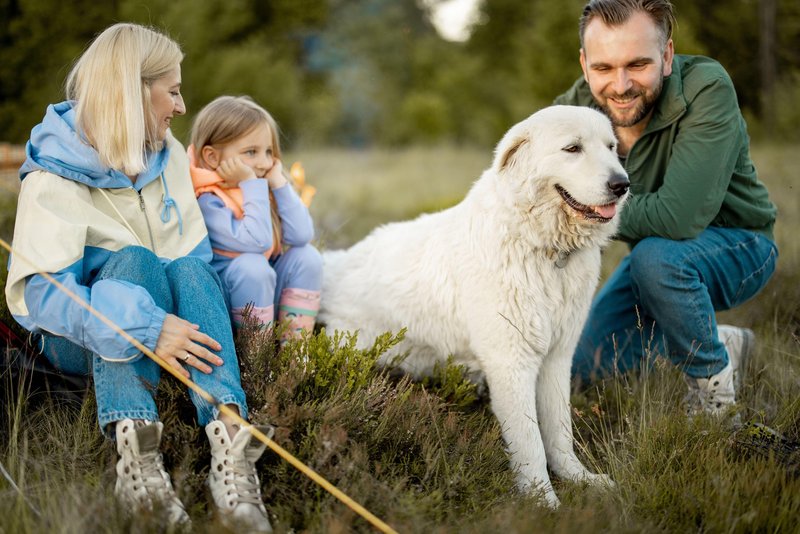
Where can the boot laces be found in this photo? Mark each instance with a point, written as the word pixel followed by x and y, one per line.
pixel 154 479
pixel 241 474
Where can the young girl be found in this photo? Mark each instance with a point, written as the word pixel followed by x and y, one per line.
pixel 259 228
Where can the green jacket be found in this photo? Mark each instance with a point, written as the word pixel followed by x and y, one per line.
pixel 691 167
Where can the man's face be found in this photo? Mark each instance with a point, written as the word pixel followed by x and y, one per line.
pixel 625 67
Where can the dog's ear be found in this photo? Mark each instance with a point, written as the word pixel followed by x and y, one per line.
pixel 507 150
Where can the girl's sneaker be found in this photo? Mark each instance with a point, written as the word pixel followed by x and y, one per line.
pixel 233 480
pixel 141 479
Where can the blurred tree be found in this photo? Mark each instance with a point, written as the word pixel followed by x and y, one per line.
pixel 375 43
pixel 39 40
pixel 761 55
pixel 532 46
pixel 529 51
pixel 548 53
pixel 358 72
pixel 241 47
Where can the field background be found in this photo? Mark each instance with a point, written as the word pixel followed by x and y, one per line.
pixel 407 121
pixel 429 457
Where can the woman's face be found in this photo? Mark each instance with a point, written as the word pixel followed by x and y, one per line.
pixel 166 100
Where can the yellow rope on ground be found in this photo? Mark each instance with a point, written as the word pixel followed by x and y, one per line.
pixel 283 453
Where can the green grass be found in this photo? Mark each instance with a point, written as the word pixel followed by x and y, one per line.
pixel 428 457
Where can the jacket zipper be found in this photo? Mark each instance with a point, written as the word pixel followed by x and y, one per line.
pixel 147 221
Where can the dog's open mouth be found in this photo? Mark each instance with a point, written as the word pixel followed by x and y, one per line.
pixel 602 213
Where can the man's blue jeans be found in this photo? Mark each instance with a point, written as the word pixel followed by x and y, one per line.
pixel 187 287
pixel 662 298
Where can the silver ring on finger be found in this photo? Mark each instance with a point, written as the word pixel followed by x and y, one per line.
pixel 186 358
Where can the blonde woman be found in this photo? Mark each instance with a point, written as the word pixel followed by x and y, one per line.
pixel 107 208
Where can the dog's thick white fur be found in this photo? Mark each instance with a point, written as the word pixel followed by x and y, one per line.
pixel 502 281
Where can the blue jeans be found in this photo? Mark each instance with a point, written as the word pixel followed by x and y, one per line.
pixel 187 287
pixel 662 300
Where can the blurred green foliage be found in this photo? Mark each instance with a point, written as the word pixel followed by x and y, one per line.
pixel 375 72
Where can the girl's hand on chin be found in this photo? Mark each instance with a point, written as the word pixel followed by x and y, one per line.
pixel 233 171
pixel 275 175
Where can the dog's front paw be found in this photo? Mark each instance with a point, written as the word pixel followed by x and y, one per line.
pixel 599 480
pixel 547 497
pixel 542 490
pixel 550 500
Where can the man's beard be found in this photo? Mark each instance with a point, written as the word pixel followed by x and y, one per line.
pixel 645 105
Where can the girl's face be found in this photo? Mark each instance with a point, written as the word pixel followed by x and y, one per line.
pixel 254 149
pixel 166 100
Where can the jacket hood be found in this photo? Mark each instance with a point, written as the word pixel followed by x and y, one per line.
pixel 56 147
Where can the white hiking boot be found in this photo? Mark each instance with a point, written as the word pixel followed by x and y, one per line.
pixel 141 479
pixel 233 480
pixel 716 394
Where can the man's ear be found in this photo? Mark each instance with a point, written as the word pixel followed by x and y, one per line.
pixel 669 53
pixel 209 157
pixel 583 65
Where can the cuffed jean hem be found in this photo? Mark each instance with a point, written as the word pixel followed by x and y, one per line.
pixel 106 418
pixel 207 413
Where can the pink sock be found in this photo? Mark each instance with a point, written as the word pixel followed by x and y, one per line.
pixel 264 316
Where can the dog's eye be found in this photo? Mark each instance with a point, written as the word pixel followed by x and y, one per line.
pixel 612 146
pixel 573 149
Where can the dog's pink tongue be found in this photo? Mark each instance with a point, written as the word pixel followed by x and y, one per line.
pixel 606 211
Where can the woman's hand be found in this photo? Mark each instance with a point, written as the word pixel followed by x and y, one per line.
pixel 233 171
pixel 179 345
pixel 275 175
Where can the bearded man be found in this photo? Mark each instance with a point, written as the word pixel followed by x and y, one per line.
pixel 699 222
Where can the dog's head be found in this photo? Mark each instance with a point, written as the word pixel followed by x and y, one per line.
pixel 561 173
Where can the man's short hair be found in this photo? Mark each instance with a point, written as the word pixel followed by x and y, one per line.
pixel 617 12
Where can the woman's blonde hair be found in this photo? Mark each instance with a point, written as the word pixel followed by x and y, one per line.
pixel 228 118
pixel 110 83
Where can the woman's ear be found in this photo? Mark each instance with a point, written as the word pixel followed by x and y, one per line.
pixel 209 157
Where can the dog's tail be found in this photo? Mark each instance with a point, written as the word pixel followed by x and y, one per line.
pixel 333 272
pixel 333 262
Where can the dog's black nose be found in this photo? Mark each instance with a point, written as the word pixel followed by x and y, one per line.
pixel 618 184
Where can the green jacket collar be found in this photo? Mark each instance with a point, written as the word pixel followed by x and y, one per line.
pixel 671 103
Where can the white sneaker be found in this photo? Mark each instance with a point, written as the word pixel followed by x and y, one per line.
pixel 716 394
pixel 740 344
pixel 141 479
pixel 233 479
pixel 713 395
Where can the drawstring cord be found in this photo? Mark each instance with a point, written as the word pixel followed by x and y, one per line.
pixel 121 217
pixel 169 203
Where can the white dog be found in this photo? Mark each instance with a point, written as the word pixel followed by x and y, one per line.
pixel 502 281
